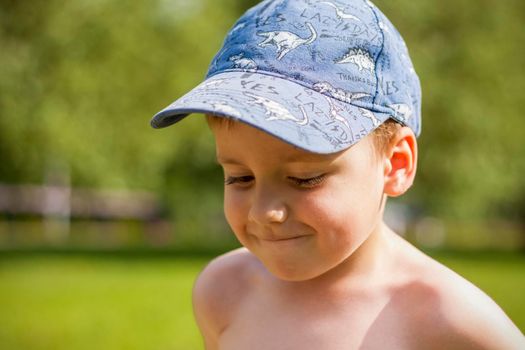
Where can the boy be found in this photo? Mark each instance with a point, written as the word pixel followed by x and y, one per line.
pixel 315 108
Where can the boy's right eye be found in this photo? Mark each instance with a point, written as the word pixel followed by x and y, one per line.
pixel 241 180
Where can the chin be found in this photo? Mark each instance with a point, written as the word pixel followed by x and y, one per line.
pixel 292 274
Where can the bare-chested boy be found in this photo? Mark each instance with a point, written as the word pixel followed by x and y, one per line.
pixel 315 109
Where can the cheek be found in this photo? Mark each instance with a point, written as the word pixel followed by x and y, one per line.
pixel 342 209
pixel 325 211
pixel 235 209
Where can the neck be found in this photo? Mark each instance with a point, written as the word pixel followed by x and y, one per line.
pixel 362 269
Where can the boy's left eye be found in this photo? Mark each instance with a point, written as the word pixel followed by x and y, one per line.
pixel 240 180
pixel 308 182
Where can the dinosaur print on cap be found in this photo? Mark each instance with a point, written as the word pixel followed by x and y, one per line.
pixel 239 61
pixel 361 58
pixel 334 114
pixel 225 109
pixel 318 74
pixel 338 93
pixel 286 41
pixel 275 110
pixel 340 13
pixel 368 114
pixel 403 112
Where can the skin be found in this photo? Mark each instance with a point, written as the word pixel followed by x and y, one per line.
pixel 319 268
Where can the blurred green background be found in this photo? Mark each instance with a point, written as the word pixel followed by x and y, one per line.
pixel 105 222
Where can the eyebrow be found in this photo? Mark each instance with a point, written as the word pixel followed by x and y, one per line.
pixel 222 160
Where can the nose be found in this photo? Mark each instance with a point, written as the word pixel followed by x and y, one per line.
pixel 267 207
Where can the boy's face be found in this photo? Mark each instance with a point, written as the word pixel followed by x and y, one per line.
pixel 301 214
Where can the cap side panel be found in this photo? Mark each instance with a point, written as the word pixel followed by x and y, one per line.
pixel 380 50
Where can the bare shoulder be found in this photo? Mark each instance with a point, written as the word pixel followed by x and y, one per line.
pixel 218 289
pixel 452 313
pixel 471 315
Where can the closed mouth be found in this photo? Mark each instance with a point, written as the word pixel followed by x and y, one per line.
pixel 282 239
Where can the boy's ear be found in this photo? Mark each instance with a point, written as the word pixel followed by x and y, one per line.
pixel 400 162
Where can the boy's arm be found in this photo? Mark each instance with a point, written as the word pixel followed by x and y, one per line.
pixel 217 291
pixel 482 323
pixel 467 318
pixel 205 310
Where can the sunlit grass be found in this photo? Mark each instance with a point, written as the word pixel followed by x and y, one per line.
pixel 50 301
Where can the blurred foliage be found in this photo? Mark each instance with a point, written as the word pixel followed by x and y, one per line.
pixel 472 142
pixel 80 79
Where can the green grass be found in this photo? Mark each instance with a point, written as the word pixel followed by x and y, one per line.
pixel 97 301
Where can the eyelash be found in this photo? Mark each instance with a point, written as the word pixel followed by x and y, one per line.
pixel 231 180
pixel 308 183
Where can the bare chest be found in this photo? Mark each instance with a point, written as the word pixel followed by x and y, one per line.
pixel 370 324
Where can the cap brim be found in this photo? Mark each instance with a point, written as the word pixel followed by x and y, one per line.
pixel 298 115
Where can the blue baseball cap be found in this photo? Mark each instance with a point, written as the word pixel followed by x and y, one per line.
pixel 320 75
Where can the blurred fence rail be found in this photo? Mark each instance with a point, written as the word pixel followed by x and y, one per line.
pixel 48 215
pixel 33 216
pixel 64 201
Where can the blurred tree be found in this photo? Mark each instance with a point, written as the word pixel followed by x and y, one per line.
pixel 471 148
pixel 80 79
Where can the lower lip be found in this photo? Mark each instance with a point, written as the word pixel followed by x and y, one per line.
pixel 285 240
